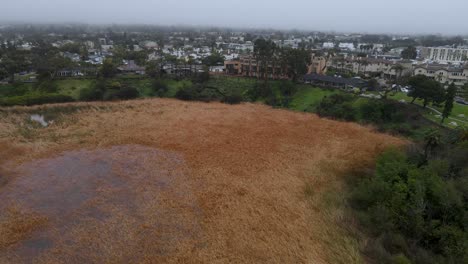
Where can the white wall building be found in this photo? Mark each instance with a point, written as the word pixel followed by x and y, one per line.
pixel 445 54
pixel 328 45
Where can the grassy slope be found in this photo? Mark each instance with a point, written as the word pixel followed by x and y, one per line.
pixel 72 87
pixel 458 109
pixel 231 84
pixel 308 97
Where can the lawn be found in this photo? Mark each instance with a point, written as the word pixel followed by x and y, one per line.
pixel 72 87
pixel 308 97
pixel 231 84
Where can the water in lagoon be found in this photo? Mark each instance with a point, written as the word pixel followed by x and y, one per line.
pixel 130 196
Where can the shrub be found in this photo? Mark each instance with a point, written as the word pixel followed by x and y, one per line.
pixel 400 259
pixel 35 99
pixel 337 106
pixel 232 99
pixel 186 94
pixel 260 91
pixel 408 203
pixel 15 89
pixel 47 86
pixel 195 92
pixel 202 77
pixel 381 112
pixel 128 92
pixel 159 88
pixel 273 100
pixel 91 94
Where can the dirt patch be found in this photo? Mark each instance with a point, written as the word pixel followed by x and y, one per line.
pixel 255 185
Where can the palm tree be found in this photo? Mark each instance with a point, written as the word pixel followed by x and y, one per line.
pixel 398 68
pixel 432 140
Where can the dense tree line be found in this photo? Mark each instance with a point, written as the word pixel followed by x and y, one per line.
pixel 290 62
pixel 415 205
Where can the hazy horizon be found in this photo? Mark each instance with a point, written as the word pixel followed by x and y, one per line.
pixel 364 16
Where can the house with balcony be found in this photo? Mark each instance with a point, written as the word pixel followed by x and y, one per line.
pixel 444 73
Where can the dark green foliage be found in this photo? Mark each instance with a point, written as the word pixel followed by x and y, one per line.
pixel 387 115
pixel 108 90
pixel 409 53
pixel 273 100
pixel 427 89
pixel 296 61
pixel 47 86
pixel 159 87
pixel 259 91
pixel 127 92
pixel 416 211
pixel 337 106
pixel 202 77
pixel 108 69
pixel 194 92
pixel 380 112
pixel 185 94
pixel 90 94
pixel 153 69
pixel 214 59
pixel 232 99
pixel 35 99
pixel 449 98
pixel 13 90
pixel 264 51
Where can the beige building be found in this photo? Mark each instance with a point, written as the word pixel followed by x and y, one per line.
pixel 444 73
pixel 247 66
pixel 372 67
pixel 318 64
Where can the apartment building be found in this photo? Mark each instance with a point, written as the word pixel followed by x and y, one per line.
pixel 247 66
pixel 388 69
pixel 318 64
pixel 445 54
pixel 444 73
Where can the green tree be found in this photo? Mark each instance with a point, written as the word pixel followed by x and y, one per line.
pixel 14 62
pixel 108 69
pixel 214 59
pixel 398 68
pixel 449 98
pixel 410 53
pixel 153 69
pixel 296 62
pixel 264 51
pixel 426 89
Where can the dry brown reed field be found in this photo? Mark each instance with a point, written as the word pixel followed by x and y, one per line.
pixel 165 181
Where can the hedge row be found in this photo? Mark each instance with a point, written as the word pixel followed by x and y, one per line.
pixel 35 99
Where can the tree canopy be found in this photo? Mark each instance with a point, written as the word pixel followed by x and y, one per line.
pixel 426 89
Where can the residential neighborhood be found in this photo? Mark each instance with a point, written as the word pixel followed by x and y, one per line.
pixel 233 53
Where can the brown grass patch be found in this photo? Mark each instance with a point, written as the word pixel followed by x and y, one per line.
pixel 17 224
pixel 269 183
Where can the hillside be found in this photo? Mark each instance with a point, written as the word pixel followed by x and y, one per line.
pixel 160 180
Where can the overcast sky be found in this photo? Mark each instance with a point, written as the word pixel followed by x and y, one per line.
pixel 386 16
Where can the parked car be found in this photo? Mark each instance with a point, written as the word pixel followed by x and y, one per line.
pixel 460 100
